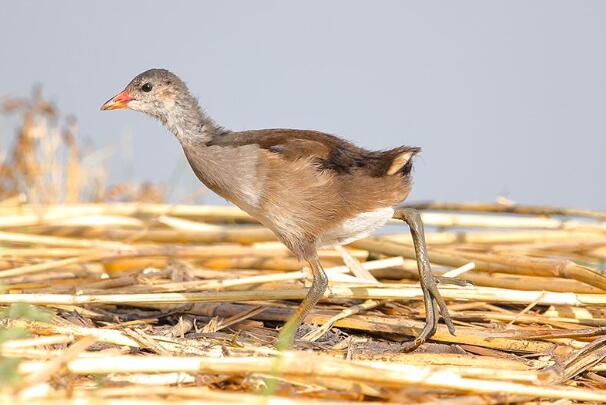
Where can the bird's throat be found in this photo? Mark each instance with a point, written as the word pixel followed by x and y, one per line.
pixel 186 120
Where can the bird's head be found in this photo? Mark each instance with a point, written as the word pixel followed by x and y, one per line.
pixel 155 92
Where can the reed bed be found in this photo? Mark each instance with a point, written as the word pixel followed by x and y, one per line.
pixel 159 303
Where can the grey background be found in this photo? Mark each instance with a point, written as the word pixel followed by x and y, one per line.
pixel 506 97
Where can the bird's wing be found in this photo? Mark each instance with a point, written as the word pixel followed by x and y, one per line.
pixel 330 152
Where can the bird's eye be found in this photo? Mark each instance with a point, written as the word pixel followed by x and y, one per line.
pixel 147 87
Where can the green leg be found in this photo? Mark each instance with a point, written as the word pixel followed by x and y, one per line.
pixel 428 282
pixel 318 287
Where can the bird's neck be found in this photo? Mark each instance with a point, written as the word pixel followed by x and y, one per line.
pixel 186 120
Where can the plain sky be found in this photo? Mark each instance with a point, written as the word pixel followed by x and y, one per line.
pixel 506 98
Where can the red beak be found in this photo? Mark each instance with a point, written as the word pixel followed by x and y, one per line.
pixel 119 101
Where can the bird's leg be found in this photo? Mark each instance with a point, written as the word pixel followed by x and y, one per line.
pixel 318 287
pixel 431 294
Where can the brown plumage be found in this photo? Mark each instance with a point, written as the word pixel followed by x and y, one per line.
pixel 310 188
pixel 312 181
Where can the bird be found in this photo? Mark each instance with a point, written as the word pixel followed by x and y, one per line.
pixel 312 189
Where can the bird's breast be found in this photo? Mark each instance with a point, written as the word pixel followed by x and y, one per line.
pixel 231 172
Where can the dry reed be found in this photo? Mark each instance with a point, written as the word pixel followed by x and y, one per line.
pixel 173 311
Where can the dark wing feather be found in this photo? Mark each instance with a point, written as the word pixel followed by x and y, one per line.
pixel 332 153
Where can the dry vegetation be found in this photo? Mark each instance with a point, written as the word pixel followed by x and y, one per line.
pixel 45 164
pixel 159 303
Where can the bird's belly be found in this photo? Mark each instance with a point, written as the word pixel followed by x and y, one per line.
pixel 358 227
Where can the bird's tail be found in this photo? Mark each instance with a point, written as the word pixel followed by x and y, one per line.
pixel 401 160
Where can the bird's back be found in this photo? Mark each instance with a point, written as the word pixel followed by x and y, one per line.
pixel 331 152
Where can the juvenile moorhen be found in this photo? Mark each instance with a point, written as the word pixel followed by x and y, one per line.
pixel 310 188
